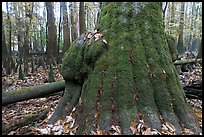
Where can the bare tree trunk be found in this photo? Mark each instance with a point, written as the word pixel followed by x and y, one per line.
pixel 75 21
pixel 82 25
pixel 28 21
pixel 190 41
pixel 100 7
pixel 172 12
pixel 51 32
pixel 59 32
pixel 9 61
pixel 66 29
pixel 180 45
pixel 5 53
pixel 199 55
pixel 10 30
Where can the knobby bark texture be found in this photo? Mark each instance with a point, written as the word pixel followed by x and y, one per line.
pixel 134 79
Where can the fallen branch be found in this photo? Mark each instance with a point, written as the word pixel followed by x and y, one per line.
pixel 32 92
pixel 26 119
pixel 186 61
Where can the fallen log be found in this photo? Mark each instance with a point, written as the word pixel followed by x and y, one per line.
pixel 25 120
pixel 32 92
pixel 187 61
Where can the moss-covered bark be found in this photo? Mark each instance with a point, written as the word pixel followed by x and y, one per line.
pixel 14 96
pixel 134 79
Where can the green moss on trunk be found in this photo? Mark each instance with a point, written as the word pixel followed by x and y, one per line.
pixel 135 78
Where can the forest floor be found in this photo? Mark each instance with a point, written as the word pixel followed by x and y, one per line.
pixel 12 112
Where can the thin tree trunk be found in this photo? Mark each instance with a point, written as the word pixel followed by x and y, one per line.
pixel 9 61
pixel 72 20
pixel 82 25
pixel 51 32
pixel 199 55
pixel 75 21
pixel 5 53
pixel 100 7
pixel 10 30
pixel 180 45
pixel 59 32
pixel 66 30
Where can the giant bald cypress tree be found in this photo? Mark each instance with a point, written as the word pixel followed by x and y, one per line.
pixel 133 78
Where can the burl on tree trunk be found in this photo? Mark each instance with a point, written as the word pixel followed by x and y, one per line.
pixel 135 78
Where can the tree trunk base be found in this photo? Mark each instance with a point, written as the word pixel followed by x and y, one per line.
pixel 67 102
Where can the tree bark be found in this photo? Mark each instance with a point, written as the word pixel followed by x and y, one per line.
pixel 82 25
pixel 131 80
pixel 5 53
pixel 10 61
pixel 51 32
pixel 59 34
pixel 180 45
pixel 14 96
pixel 199 55
pixel 66 29
pixel 75 21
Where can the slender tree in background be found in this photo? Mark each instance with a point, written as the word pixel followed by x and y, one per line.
pixel 172 19
pixel 165 5
pixel 186 16
pixel 180 46
pixel 35 29
pixel 66 30
pixel 199 55
pixel 52 51
pixel 82 25
pixel 28 20
pixel 191 26
pixel 133 79
pixel 100 7
pixel 75 21
pixel 20 33
pixel 72 20
pixel 195 35
pixel 10 61
pixel 59 30
pixel 5 53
